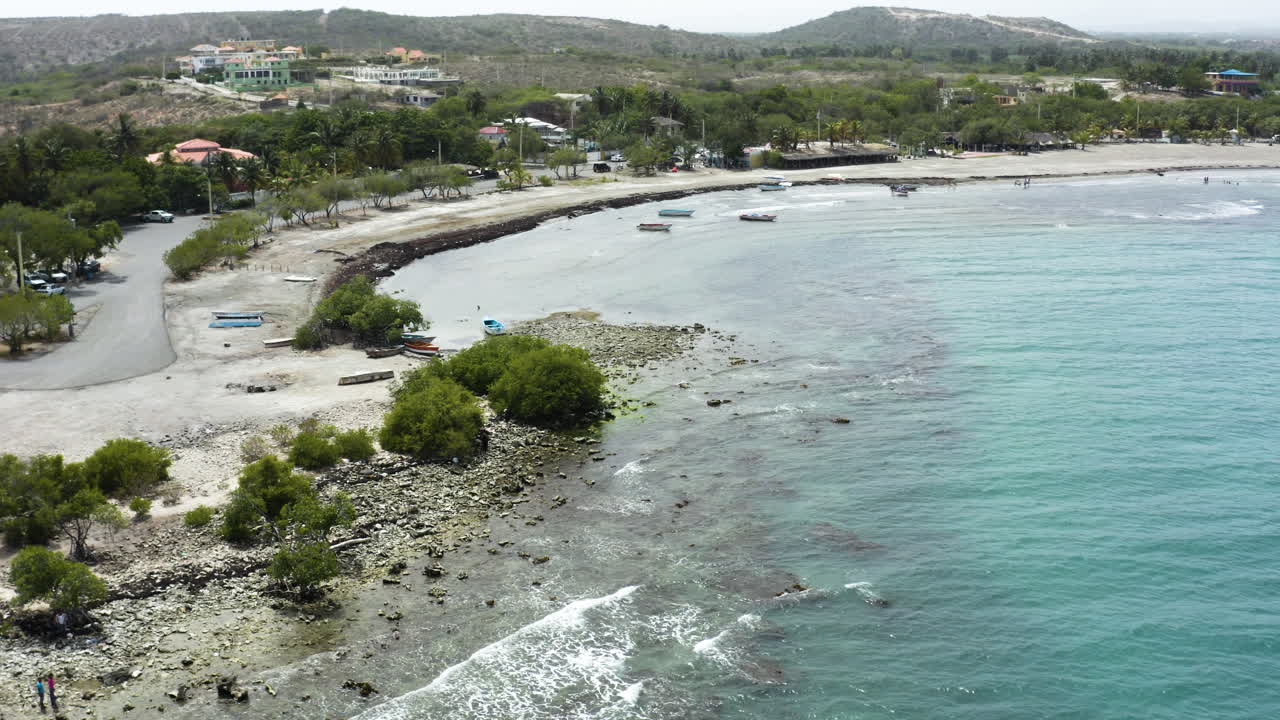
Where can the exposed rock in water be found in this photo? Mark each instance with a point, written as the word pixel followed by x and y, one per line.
pixel 365 688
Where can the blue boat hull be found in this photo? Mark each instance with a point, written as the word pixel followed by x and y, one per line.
pixel 675 213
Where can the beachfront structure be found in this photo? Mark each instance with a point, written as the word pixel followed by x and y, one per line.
pixel 269 73
pixel 196 151
pixel 1233 81
pixel 212 58
pixel 838 156
pixel 392 75
pixel 413 56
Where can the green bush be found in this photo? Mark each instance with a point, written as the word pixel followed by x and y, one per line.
pixel 337 309
pixel 140 506
pixel 38 573
pixel 381 319
pixel 312 451
pixel 305 566
pixel 308 337
pixel 546 180
pixel 198 517
pixel 439 420
pixel 556 386
pixel 478 367
pixel 355 444
pixel 266 488
pixel 124 467
pixel 281 435
pixel 31 493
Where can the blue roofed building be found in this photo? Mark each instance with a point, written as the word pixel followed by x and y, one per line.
pixel 1233 81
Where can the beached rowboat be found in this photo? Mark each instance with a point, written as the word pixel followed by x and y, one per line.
pixel 238 315
pixel 416 337
pixel 758 217
pixel 772 187
pixel 675 213
pixel 423 351
pixel 654 227
pixel 494 327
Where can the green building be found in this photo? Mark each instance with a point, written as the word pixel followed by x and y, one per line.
pixel 246 74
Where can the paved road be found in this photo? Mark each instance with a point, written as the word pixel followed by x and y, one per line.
pixel 127 336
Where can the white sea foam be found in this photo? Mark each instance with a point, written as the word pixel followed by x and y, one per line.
pixel 633 468
pixel 631 695
pixel 524 673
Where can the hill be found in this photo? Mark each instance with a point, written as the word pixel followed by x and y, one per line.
pixel 30 45
pixel 907 27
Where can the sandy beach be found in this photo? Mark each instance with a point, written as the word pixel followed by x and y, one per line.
pixel 199 403
pixel 193 392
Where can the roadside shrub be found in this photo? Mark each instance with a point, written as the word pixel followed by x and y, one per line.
pixel 253 449
pixel 337 309
pixel 556 386
pixel 311 425
pixel 440 420
pixel 312 451
pixel 546 180
pixel 141 507
pixel 478 367
pixel 198 517
pixel 355 444
pixel 126 466
pixel 38 573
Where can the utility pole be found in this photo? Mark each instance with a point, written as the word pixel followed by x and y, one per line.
pixel 208 184
pixel 439 153
pixel 22 277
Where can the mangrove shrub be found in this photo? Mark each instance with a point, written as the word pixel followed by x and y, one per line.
pixel 556 386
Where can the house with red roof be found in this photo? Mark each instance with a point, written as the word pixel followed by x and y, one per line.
pixel 197 151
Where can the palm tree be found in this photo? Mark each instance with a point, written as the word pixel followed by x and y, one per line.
pixel 328 135
pixel 56 154
pixel 476 103
pixel 253 176
pixel 125 138
pixel 224 167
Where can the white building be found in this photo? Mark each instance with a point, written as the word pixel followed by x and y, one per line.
pixel 391 75
pixel 206 58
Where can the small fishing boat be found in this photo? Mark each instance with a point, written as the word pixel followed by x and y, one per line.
pixel 758 217
pixel 494 327
pixel 775 178
pixel 421 349
pixel 416 337
pixel 906 188
pixel 901 193
pixel 235 323
pixel 381 352
pixel 654 227
pixel 675 213
pixel 277 342
pixel 772 187
pixel 238 315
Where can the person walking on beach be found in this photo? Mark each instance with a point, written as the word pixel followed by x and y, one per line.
pixel 53 696
pixel 40 693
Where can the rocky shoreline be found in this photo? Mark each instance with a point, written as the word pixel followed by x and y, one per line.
pixel 188 611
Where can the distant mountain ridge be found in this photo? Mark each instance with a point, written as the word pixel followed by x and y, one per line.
pixel 909 26
pixel 37 44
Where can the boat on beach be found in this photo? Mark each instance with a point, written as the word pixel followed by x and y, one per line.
pixel 493 327
pixel 775 178
pixel 772 187
pixel 421 349
pixel 675 213
pixel 416 337
pixel 238 315
pixel 901 193
pixel 654 227
pixel 382 352
pixel 758 217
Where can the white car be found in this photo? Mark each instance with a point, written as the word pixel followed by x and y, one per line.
pixel 157 216
pixel 47 289
pixel 617 157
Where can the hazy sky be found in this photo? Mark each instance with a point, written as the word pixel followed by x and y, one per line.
pixel 755 15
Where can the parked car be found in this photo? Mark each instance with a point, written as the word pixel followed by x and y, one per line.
pixel 88 266
pixel 47 289
pixel 55 276
pixel 617 157
pixel 157 216
pixel 601 167
pixel 489 174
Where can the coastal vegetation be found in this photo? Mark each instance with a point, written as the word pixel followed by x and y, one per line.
pixel 225 240
pixel 555 386
pixel 437 419
pixel 356 310
pixel 38 573
pixel 26 316
pixel 45 497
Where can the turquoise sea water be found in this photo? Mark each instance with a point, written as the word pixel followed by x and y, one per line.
pixel 1056 496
